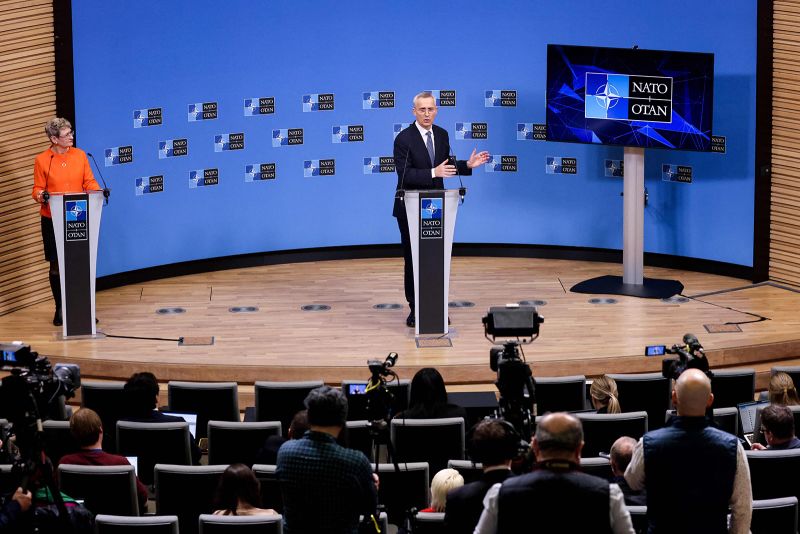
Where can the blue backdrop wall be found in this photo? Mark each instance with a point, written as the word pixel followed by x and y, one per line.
pixel 153 61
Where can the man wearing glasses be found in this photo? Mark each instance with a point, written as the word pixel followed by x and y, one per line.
pixel 62 168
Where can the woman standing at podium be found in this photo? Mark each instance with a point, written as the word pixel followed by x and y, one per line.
pixel 62 168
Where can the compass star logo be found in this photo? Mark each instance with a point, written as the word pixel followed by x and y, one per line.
pixel 76 211
pixel 607 96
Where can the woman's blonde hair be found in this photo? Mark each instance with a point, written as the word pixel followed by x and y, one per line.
pixel 443 482
pixel 782 390
pixel 604 391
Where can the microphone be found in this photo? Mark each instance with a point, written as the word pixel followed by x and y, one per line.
pixel 401 193
pixel 690 340
pixel 106 190
pixel 45 194
pixel 462 191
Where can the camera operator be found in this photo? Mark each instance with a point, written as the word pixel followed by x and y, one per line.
pixel 18 504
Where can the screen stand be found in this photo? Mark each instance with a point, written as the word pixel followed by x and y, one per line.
pixel 632 282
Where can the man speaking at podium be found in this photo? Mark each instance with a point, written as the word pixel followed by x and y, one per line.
pixel 422 160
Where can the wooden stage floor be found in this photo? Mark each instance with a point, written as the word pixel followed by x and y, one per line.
pixel 282 342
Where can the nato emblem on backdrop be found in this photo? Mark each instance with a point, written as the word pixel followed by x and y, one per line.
pixel 347 133
pixel 500 98
pixel 556 165
pixel 444 97
pixel 287 137
pixel 501 163
pixel 614 168
pixel 264 105
pixel 228 141
pixel 529 131
pixel 173 148
pixel 399 127
pixel 379 164
pixel 319 167
pixel 260 171
pixel 202 111
pixel 472 130
pixel 118 155
pixel 75 228
pixel 377 100
pixel 676 173
pixel 203 177
pixel 629 98
pixel 143 118
pixel 149 184
pixel 318 102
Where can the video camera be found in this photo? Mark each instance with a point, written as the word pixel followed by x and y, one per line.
pixel 690 356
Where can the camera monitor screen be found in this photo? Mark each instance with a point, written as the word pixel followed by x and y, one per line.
pixel 630 97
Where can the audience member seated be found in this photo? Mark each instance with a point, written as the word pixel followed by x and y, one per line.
pixel 141 403
pixel 268 454
pixel 87 429
pixel 239 493
pixel 443 482
pixel 777 425
pixel 604 395
pixel 621 452
pixel 428 398
pixel 556 496
pixel 782 390
pixel 494 444
pixel 13 509
pixel 693 472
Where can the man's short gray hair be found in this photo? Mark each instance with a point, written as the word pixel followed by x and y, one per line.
pixel 423 94
pixel 55 125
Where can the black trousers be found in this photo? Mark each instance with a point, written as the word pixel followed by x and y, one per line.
pixel 408 271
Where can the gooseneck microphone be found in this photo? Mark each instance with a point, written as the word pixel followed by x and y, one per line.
pixel 401 193
pixel 45 194
pixel 106 190
pixel 462 191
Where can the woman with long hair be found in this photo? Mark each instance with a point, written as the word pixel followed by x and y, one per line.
pixel 428 398
pixel 604 395
pixel 239 493
pixel 782 390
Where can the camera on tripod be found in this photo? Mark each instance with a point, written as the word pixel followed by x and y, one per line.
pixel 690 356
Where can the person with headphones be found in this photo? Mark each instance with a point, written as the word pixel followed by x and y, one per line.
pixel 494 443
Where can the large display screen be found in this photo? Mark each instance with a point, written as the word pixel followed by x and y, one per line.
pixel 630 97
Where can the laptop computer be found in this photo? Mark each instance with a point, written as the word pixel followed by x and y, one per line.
pixel 750 419
pixel 190 418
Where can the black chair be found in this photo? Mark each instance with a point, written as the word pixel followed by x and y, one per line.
pixel 105 489
pixel 560 393
pixel 773 474
pixel 9 481
pixel 359 437
pixel 435 441
pixel 240 524
pixel 357 399
pixel 597 466
pixel 235 442
pixel 271 496
pixel 726 419
pixel 404 489
pixel 638 518
pixel 429 523
pixel 649 392
pixel 108 400
pixel 217 401
pixel 152 443
pixel 774 516
pixel 733 386
pixel 186 491
pixel 469 470
pixel 280 401
pixel 600 431
pixel 58 440
pixel 383 522
pixel 148 524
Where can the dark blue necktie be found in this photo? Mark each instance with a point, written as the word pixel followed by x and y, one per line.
pixel 429 144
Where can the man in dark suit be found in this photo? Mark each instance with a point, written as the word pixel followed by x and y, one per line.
pixel 494 444
pixel 421 157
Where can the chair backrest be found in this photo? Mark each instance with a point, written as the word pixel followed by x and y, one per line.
pixel 9 481
pixel 218 401
pixel 108 400
pixel 58 440
pixel 597 466
pixel 560 393
pixel 601 430
pixel 434 441
pixel 383 521
pixel 271 496
pixel 105 489
pixel 638 518
pixel 357 399
pixel 774 516
pixel 235 442
pixel 240 524
pixel 471 471
pixel 153 443
pixel 773 474
pixel 429 523
pixel 279 401
pixel 726 419
pixel 358 436
pixel 148 524
pixel 649 392
pixel 733 386
pixel 186 491
pixel 402 490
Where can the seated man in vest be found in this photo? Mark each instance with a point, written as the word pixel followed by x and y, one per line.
pixel 692 471
pixel 87 429
pixel 621 452
pixel 556 496
pixel 777 424
pixel 494 444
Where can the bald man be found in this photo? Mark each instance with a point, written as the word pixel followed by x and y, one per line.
pixel 563 498
pixel 692 471
pixel 621 453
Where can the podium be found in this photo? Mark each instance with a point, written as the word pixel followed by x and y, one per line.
pixel 431 223
pixel 76 223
